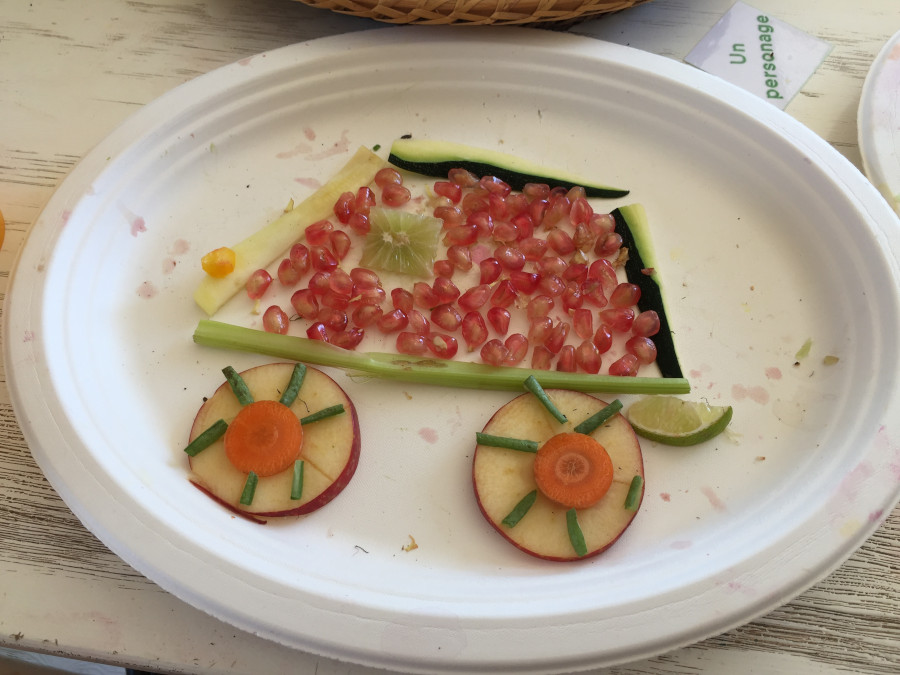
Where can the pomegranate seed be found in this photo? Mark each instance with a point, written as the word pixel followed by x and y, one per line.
pixel 504 294
pixel 517 203
pixel 571 297
pixel 539 306
pixel 592 292
pixel 517 344
pixel 494 352
pixel 606 273
pixel 365 200
pixel 583 323
pixel 462 235
pixel 536 190
pixel 566 361
pixel 319 283
pixel 482 222
pixel 560 241
pixel 474 330
pixel 446 317
pixel 494 186
pixel 461 257
pixel 443 268
pixel 509 257
pixel 524 282
pixel 317 233
pixel 584 238
pixel 619 319
pixel 258 283
pixel 388 176
pixel 462 177
pixel 364 278
pixel 497 207
pixel 359 223
pixel 643 348
pixel 299 256
pixel 447 189
pixel 333 319
pixel 575 272
pixel 490 270
pixel 541 358
pixel 474 202
pixel 402 299
pixel 392 321
pixel 340 282
pixel 317 331
pixel 305 304
pixel 603 338
pixel 418 324
pixel 627 366
pixel 335 300
pixel 557 210
pixel 602 224
pixel 366 315
pixel 424 296
pixel 411 343
pixel 552 264
pixel 625 295
pixel 340 243
pixel 556 338
pixel 348 339
pixel 287 274
pixel 587 357
pixel 505 232
pixel 322 259
pixel 499 318
pixel 343 208
pixel 450 215
pixel 442 346
pixel 539 329
pixel 275 320
pixel 445 290
pixel 581 211
pixel 524 225
pixel 537 210
pixel 608 245
pixel 475 297
pixel 371 296
pixel 534 248
pixel 395 195
pixel 646 324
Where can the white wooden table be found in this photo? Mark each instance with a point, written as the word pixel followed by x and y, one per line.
pixel 70 72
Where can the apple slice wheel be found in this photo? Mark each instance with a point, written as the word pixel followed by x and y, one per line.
pixel 502 477
pixel 330 449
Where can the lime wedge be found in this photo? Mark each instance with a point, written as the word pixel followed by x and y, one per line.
pixel 400 241
pixel 673 421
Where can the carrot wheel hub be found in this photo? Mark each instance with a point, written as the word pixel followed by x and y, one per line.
pixel 573 469
pixel 265 437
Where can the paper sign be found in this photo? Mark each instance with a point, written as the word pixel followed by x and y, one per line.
pixel 759 53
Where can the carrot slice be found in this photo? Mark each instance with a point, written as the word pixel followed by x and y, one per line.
pixel 573 469
pixel 265 437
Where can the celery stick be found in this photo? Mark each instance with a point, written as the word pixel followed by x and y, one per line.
pixel 422 370
pixel 266 245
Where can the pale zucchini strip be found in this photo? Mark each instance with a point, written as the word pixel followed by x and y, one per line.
pixel 263 247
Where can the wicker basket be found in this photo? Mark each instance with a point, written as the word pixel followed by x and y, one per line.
pixel 471 12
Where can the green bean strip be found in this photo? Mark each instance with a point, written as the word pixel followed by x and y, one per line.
pixel 206 438
pixel 330 411
pixel 532 385
pixel 576 536
pixel 249 489
pixel 598 418
pixel 635 490
pixel 294 384
pixel 297 480
pixel 238 386
pixel 520 509
pixel 519 444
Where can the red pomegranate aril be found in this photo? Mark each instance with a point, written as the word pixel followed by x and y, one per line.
pixel 584 238
pixel 581 211
pixel 461 257
pixel 258 283
pixel 606 273
pixel 442 346
pixel 473 202
pixel 424 296
pixel 494 352
pixel 499 318
pixel 388 176
pixel 524 282
pixel 626 366
pixel 402 299
pixel 299 256
pixel 592 292
pixel 333 319
pixel 341 282
pixel 602 224
pixel 534 248
pixel 366 315
pixel 365 200
pixel 317 331
pixel 537 210
pixel 643 348
pixel 539 329
pixel 474 330
pixel 575 272
pixel 619 319
pixel 395 195
pixel 370 296
pixel 347 339
pixel 552 264
pixel 462 177
pixel 517 344
pixel 557 210
pixel 305 304
pixel 587 357
pixel 363 278
pixel 490 269
pixel 494 186
pixel 524 225
pixel 571 297
pixel 343 208
pixel 317 233
pixel 460 234
pixel 536 190
pixel 504 232
pixel 566 360
pixel 319 283
pixel 448 189
pixel 446 317
pixel 392 321
pixel 646 324
pixel 498 207
pixel 482 222
pixel 603 338
pixel 359 223
pixel 539 306
pixel 450 215
pixel 509 257
pixel 583 323
pixel 275 320
pixel 322 259
pixel 625 295
pixel 334 300
pixel 608 245
pixel 576 192
pixel 556 338
pixel 287 274
pixel 541 358
pixel 560 241
pixel 551 285
pixel 418 324
pixel 411 343
pixel 445 291
pixel 517 204
pixel 339 242
pixel 443 268
pixel 475 297
pixel 504 294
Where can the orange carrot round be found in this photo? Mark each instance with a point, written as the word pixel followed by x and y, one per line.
pixel 265 437
pixel 573 469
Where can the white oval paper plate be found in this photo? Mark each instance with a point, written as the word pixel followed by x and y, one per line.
pixel 766 237
pixel 878 122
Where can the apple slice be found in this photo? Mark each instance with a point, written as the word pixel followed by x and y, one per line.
pixel 330 448
pixel 503 477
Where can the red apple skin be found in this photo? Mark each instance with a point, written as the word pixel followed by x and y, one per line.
pixel 325 474
pixel 525 413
